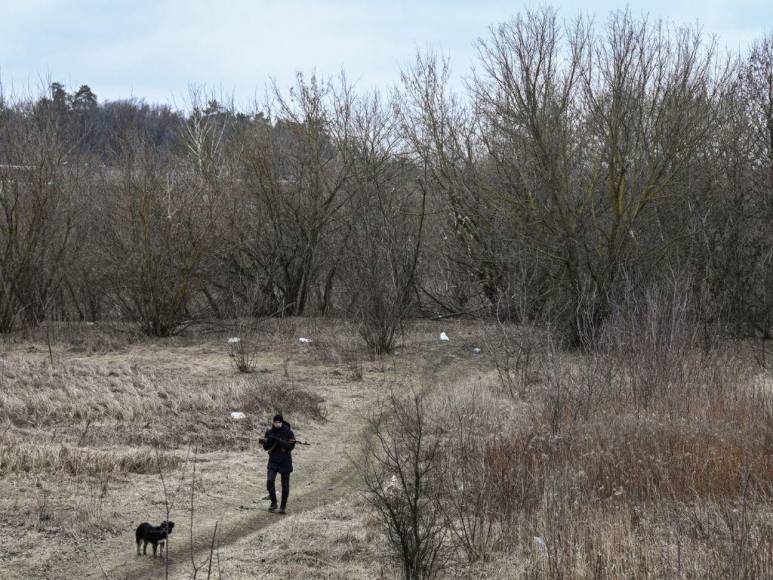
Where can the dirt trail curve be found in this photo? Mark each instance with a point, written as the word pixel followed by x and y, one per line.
pixel 335 478
pixel 336 486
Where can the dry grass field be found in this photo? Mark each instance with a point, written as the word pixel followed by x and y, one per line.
pixel 650 464
pixel 117 429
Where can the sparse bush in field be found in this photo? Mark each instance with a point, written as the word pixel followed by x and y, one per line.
pixel 399 469
pixel 244 344
pixel 517 352
pixel 242 354
pixel 465 486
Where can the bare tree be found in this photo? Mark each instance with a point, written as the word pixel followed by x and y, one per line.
pixel 157 232
pixel 470 253
pixel 295 168
pixel 587 135
pixel 757 96
pixel 384 233
pixel 38 175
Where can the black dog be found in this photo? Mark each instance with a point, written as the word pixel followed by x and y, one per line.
pixel 152 535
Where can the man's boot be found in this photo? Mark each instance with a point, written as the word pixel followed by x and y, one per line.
pixel 285 492
pixel 271 486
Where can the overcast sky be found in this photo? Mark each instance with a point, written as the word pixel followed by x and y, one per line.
pixel 155 49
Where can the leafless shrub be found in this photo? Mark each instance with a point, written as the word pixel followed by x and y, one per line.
pixel 465 494
pixel 243 354
pixel 575 391
pixel 39 176
pixel 517 351
pixel 739 534
pixel 399 468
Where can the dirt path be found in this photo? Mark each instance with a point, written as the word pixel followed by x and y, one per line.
pixel 323 475
pixel 339 483
pixel 234 487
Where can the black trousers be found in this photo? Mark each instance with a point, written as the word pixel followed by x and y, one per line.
pixel 271 486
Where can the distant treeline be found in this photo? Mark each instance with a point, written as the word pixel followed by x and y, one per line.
pixel 582 165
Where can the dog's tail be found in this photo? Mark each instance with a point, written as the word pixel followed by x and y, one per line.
pixel 138 534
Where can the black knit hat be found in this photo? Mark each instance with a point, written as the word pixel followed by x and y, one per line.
pixel 278 417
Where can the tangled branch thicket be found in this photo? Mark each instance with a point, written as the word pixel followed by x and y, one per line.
pixel 582 162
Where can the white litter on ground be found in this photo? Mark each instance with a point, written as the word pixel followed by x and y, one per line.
pixel 304 340
pixel 238 415
pixel 444 336
pixel 233 340
pixel 476 350
pixel 539 543
pixel 393 486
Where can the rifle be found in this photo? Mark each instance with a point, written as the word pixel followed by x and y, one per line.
pixel 263 440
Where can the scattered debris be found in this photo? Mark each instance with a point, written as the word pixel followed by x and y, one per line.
pixel 444 337
pixel 238 415
pixel 539 543
pixel 393 486
pixel 304 340
pixel 476 350
pixel 233 340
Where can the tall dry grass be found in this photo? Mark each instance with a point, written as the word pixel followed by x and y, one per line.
pixel 18 455
pixel 123 403
pixel 648 456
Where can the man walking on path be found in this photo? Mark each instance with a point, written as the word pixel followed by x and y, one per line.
pixel 279 441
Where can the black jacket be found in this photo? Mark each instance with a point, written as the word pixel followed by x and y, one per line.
pixel 277 443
